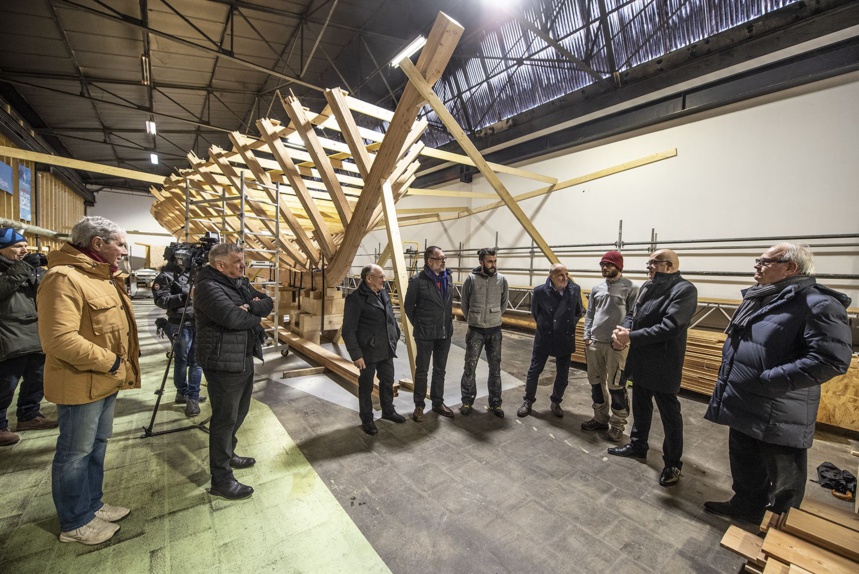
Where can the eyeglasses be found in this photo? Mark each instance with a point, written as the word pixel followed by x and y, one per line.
pixel 766 261
pixel 655 262
pixel 438 258
pixel 382 277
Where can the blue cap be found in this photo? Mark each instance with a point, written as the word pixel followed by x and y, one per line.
pixel 9 236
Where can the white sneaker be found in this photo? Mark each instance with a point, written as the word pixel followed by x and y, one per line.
pixel 110 513
pixel 93 532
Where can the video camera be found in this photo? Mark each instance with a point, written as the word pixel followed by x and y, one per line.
pixel 185 256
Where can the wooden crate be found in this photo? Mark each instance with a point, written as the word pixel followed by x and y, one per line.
pixel 308 322
pixel 332 306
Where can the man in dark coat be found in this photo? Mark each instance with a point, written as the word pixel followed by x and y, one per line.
pixel 172 292
pixel 429 307
pixel 228 312
pixel 556 307
pixel 20 350
pixel 371 332
pixel 788 337
pixel 655 330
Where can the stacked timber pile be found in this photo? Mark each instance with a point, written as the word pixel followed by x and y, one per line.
pixel 318 311
pixel 815 537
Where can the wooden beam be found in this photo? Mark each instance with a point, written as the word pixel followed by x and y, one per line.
pixel 825 534
pixel 497 167
pixel 48 159
pixel 401 273
pixel 433 59
pixel 290 171
pixel 425 89
pixel 347 126
pixel 792 550
pixel 745 544
pixel 305 372
pixel 450 193
pixel 831 513
pixel 311 142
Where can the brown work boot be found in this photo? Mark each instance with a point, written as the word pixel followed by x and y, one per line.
pixel 418 415
pixel 443 410
pixel 8 438
pixel 36 423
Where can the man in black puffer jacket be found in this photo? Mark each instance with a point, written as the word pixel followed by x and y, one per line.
pixel 228 313
pixel 788 337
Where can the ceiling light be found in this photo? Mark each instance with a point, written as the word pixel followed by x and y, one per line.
pixel 145 69
pixel 153 158
pixel 150 127
pixel 409 51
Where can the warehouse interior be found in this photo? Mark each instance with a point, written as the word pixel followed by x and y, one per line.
pixel 314 134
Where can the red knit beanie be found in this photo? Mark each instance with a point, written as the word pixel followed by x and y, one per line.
pixel 613 257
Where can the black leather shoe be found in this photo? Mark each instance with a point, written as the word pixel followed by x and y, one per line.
pixel 394 417
pixel 443 410
pixel 369 428
pixel 627 451
pixel 670 476
pixel 524 410
pixel 242 461
pixel 231 490
pixel 729 510
pixel 557 410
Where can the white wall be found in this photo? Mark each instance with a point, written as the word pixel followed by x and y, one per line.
pixel 783 166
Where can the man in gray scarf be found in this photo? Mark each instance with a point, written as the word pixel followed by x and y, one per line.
pixel 788 337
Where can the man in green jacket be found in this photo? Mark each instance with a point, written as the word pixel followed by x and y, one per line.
pixel 21 354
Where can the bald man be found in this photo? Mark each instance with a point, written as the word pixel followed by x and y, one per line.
pixel 556 307
pixel 655 332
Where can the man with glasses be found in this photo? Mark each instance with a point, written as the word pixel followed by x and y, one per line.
pixel 655 331
pixel 484 300
pixel 556 307
pixel 371 332
pixel 788 336
pixel 608 304
pixel 429 307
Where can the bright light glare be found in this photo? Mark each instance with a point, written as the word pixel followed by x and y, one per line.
pixel 409 51
pixel 153 158
pixel 150 127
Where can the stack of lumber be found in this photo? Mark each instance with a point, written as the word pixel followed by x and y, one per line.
pixel 320 310
pixel 815 537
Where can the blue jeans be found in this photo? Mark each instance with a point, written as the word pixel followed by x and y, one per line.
pixel 78 470
pixel 186 372
pixel 30 367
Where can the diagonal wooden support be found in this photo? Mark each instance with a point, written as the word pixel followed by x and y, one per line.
pixel 434 57
pixel 305 130
pixel 290 171
pixel 425 89
pixel 337 101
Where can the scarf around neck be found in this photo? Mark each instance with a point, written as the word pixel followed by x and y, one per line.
pixel 757 296
pixel 96 257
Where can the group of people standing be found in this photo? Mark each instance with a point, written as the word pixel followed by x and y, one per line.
pixel 789 336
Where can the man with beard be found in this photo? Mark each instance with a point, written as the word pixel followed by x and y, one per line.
pixel 655 330
pixel 608 304
pixel 788 336
pixel 429 307
pixel 556 307
pixel 484 300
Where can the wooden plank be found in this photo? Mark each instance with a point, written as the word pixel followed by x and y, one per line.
pixel 497 167
pixel 401 272
pixel 346 123
pixel 425 88
pixel 311 142
pixel 306 372
pixel 793 550
pixel 838 516
pixel 825 534
pixel 290 171
pixel 450 193
pixel 48 159
pixel 774 566
pixel 745 544
pixel 794 569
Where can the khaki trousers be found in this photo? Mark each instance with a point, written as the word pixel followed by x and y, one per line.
pixel 608 389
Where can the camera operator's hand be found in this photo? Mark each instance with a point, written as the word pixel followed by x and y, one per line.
pixel 245 307
pixel 35 259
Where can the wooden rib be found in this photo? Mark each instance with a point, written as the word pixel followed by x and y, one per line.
pixel 306 244
pixel 311 142
pixel 278 150
pixel 434 57
pixel 425 88
pixel 347 126
pixel 497 167
pixel 450 193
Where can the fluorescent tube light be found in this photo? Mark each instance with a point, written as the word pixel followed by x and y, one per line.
pixel 409 51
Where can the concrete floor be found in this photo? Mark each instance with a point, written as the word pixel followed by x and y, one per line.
pixel 471 494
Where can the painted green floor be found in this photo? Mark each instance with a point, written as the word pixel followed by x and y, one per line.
pixel 291 524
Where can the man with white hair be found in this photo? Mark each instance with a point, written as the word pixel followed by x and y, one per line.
pixel 788 336
pixel 89 337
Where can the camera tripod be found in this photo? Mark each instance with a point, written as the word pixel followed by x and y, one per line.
pixel 147 431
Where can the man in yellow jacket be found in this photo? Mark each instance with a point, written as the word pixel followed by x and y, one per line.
pixel 89 337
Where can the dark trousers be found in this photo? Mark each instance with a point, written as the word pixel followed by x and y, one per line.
pixel 538 363
pixel 766 476
pixel 672 423
pixel 230 396
pixel 385 370
pixel 475 341
pixel 437 349
pixel 31 367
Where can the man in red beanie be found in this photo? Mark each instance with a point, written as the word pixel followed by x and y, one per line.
pixel 608 304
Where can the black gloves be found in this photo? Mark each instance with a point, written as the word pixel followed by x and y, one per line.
pixel 36 259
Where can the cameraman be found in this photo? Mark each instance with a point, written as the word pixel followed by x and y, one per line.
pixel 172 292
pixel 20 350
